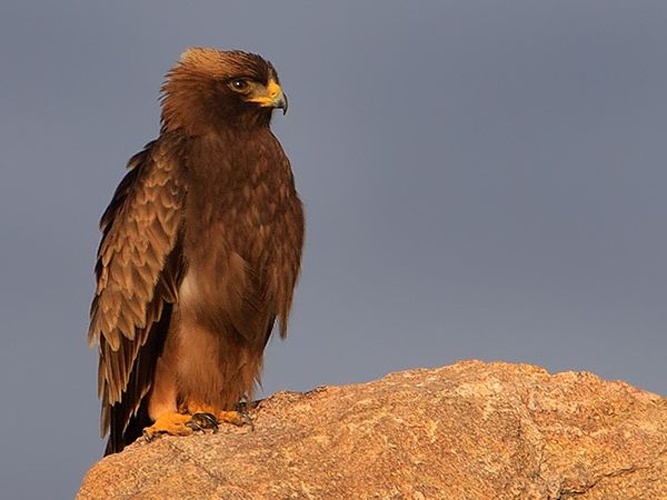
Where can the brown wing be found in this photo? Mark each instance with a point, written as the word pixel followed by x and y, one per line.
pixel 138 269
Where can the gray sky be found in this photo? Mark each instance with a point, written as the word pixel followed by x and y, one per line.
pixel 482 179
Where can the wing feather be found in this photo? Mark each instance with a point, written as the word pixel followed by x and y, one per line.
pixel 138 268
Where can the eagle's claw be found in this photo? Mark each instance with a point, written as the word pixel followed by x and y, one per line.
pixel 244 416
pixel 149 436
pixel 203 422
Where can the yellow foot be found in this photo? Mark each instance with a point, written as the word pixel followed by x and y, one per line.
pixel 173 424
pixel 184 424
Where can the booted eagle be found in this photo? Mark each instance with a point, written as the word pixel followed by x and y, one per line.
pixel 200 253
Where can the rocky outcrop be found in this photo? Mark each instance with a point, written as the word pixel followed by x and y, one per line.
pixel 472 430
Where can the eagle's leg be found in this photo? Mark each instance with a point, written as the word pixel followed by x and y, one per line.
pixel 172 423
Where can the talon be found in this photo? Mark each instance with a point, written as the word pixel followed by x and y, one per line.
pixel 245 416
pixel 148 435
pixel 203 421
pixel 250 422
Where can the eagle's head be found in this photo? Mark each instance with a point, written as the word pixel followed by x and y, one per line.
pixel 210 89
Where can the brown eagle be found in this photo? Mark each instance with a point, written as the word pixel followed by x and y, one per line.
pixel 200 253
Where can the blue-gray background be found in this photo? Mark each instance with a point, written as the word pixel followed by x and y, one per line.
pixel 483 179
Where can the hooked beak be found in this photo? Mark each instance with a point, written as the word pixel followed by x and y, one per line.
pixel 273 97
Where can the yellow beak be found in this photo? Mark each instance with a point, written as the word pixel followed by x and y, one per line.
pixel 271 97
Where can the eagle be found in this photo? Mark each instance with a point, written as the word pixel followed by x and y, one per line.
pixel 200 254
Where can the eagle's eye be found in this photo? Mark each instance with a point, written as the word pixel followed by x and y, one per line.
pixel 239 84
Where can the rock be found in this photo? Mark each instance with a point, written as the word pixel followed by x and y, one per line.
pixel 472 430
